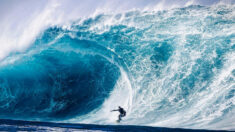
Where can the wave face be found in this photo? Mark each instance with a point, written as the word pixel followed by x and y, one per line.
pixel 171 68
pixel 57 82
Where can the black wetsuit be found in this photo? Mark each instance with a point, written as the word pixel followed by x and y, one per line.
pixel 122 113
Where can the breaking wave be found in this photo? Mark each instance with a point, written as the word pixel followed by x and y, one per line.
pixel 171 68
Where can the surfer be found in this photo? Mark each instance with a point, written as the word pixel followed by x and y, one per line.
pixel 122 113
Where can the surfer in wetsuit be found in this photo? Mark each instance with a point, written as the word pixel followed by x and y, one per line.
pixel 122 113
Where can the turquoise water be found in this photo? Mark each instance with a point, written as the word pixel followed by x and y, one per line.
pixel 172 68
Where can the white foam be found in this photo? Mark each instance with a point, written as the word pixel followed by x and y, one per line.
pixel 144 96
pixel 23 23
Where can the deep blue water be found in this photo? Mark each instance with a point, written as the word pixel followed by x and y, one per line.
pixel 18 125
pixel 179 64
pixel 57 81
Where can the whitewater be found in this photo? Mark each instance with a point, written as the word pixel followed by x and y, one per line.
pixel 171 67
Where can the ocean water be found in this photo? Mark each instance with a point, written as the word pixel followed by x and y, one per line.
pixel 169 68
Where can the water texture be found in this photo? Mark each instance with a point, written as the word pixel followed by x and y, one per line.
pixel 171 68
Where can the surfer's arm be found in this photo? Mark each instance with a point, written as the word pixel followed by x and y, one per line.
pixel 113 110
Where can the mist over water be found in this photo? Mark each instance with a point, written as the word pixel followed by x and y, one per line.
pixel 171 67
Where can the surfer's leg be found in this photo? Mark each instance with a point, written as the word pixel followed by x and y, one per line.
pixel 119 117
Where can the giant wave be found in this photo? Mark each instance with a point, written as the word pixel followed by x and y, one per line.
pixel 171 68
